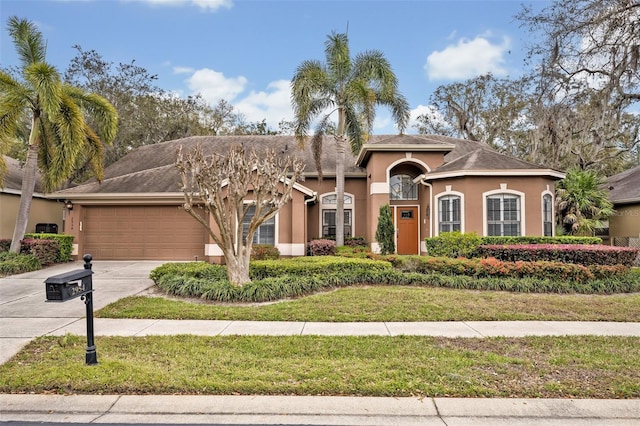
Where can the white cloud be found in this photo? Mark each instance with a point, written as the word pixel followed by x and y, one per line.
pixel 273 104
pixel 468 58
pixel 211 5
pixel 183 70
pixel 214 86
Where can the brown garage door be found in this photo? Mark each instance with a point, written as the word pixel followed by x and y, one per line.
pixel 141 233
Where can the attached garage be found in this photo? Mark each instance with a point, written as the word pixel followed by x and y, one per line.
pixel 141 233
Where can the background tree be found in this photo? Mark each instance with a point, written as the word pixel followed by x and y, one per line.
pixel 581 202
pixel 220 185
pixel 483 109
pixel 351 88
pixel 586 58
pixel 148 114
pixel 385 232
pixel 59 134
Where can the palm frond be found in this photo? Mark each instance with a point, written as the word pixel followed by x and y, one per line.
pixel 28 41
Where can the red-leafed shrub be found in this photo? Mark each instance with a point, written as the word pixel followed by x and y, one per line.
pixel 264 252
pixel 46 251
pixel 494 268
pixel 566 253
pixel 322 248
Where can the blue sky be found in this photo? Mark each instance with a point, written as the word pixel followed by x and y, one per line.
pixel 247 51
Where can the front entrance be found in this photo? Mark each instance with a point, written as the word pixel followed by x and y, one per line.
pixel 405 219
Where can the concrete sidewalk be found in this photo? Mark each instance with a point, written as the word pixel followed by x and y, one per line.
pixel 312 410
pixel 25 315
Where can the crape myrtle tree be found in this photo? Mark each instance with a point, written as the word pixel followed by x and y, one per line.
pixel 60 137
pixel 230 188
pixel 351 88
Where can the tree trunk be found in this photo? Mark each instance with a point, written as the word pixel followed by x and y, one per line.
pixel 238 266
pixel 26 195
pixel 340 149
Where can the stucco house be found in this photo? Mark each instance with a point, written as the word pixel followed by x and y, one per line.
pixel 433 183
pixel 46 214
pixel 624 193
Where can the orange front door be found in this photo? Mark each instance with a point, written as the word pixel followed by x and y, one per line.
pixel 406 220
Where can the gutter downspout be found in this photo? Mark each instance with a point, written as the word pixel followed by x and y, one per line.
pixel 313 199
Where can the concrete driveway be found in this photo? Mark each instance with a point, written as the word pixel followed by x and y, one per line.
pixel 24 314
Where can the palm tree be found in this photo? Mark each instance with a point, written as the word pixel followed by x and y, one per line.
pixel 581 202
pixel 352 88
pixel 60 137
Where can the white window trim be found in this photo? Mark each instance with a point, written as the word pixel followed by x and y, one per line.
pixel 276 225
pixel 327 206
pixel 385 187
pixel 436 210
pixel 485 224
pixel 553 211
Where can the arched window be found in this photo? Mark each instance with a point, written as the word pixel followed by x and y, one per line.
pixel 402 187
pixel 503 215
pixel 547 215
pixel 449 213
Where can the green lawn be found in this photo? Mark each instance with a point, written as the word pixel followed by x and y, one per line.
pixel 394 303
pixel 550 367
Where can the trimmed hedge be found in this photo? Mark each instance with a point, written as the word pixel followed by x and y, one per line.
pixel 562 239
pixel 568 253
pixel 46 251
pixel 494 268
pixel 65 243
pixel 453 244
pixel 456 244
pixel 200 279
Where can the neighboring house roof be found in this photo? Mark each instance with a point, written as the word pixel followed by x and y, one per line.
pixel 13 178
pixel 624 188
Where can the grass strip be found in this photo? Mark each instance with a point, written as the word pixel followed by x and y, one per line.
pixel 545 367
pixel 394 303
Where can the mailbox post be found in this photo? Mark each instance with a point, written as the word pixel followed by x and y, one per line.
pixel 71 285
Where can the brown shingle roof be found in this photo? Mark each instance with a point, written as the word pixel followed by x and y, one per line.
pixel 13 178
pixel 625 187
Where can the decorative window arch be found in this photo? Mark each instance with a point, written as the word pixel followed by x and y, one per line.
pixel 401 185
pixel 548 213
pixel 449 211
pixel 503 212
pixel 328 214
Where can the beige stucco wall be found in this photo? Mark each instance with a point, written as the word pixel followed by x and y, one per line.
pixel 42 211
pixel 626 221
pixel 473 188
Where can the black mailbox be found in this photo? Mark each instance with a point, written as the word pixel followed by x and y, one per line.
pixel 70 285
pixel 67 286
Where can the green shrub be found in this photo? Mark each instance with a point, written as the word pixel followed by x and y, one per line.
pixel 264 252
pixel 65 243
pixel 5 244
pixel 453 244
pixel 17 263
pixel 313 265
